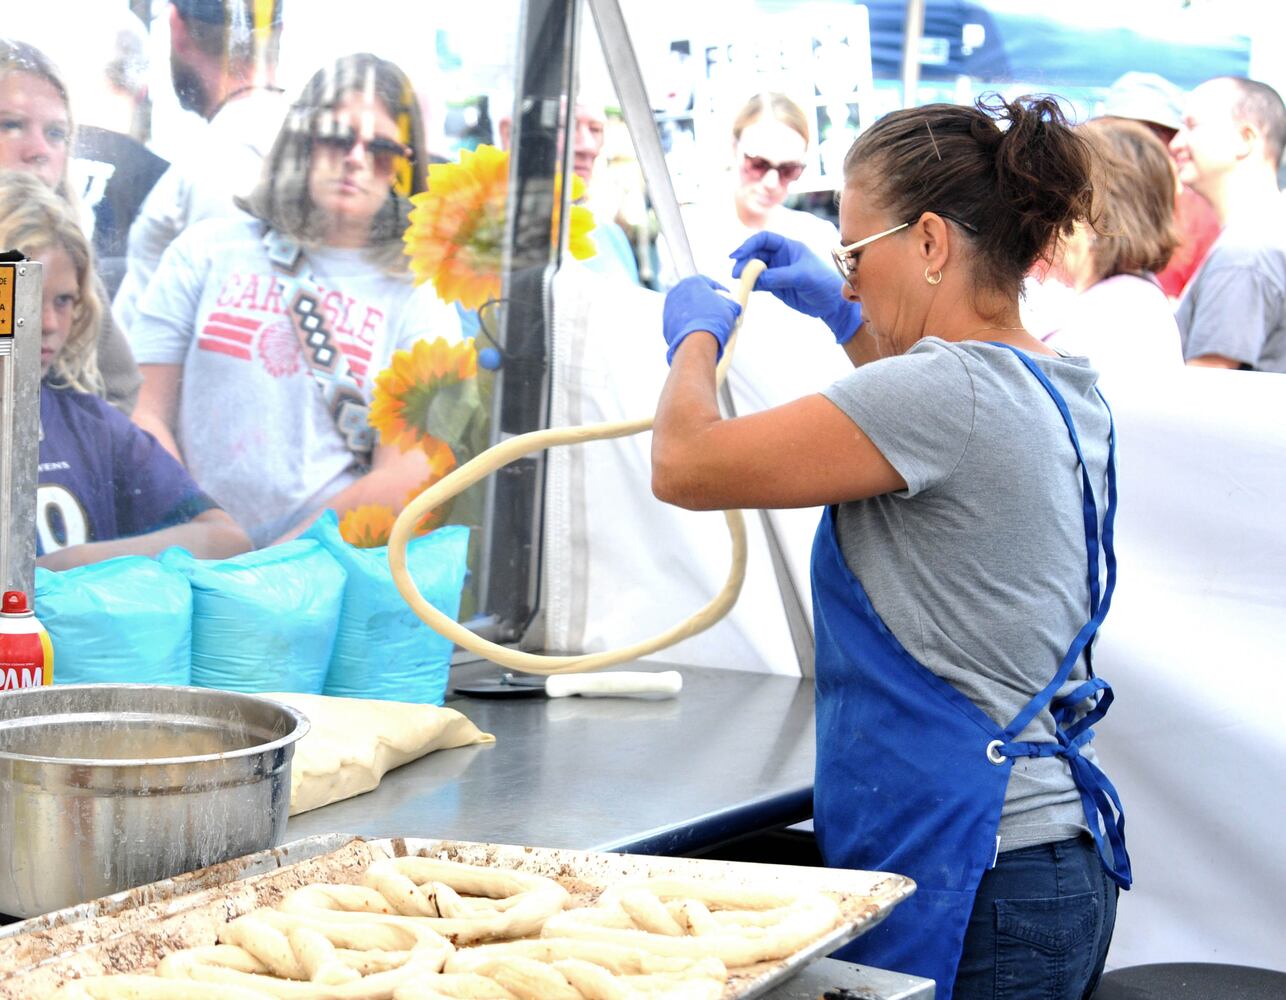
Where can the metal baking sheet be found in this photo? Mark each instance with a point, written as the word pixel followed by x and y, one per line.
pixel 131 931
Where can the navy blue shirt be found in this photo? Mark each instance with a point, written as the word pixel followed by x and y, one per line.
pixel 101 477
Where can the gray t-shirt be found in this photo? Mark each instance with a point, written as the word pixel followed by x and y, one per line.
pixel 979 566
pixel 1235 305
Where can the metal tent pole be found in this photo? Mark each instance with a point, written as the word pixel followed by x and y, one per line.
pixel 628 79
pixel 912 32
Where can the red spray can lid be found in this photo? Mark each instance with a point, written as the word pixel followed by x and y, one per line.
pixel 14 604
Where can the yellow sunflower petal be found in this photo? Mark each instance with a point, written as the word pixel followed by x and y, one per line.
pixel 367 527
pixel 403 390
pixel 456 227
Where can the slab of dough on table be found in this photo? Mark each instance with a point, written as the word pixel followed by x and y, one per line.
pixel 354 742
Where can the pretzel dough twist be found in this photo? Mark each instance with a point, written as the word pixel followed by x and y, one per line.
pixel 594 969
pixel 671 917
pixel 500 904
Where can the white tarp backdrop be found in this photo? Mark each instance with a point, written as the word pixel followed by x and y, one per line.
pixel 1195 648
pixel 1194 645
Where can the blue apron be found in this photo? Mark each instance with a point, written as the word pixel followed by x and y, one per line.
pixel 911 774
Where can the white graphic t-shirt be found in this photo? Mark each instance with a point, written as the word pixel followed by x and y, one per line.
pixel 254 429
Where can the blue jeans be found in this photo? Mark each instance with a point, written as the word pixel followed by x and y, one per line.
pixel 1040 927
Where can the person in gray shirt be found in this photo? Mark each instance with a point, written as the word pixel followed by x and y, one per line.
pixel 965 560
pixel 1233 311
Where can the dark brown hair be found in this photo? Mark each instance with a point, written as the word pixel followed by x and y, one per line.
pixel 281 196
pixel 1012 172
pixel 234 36
pixel 1134 192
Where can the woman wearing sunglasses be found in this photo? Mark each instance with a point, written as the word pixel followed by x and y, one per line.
pixel 259 338
pixel 964 561
pixel 770 139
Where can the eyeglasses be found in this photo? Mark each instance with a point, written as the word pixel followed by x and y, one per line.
pixel 846 258
pixel 384 153
pixel 757 166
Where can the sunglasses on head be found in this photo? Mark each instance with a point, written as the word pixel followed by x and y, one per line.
pixel 384 153
pixel 757 166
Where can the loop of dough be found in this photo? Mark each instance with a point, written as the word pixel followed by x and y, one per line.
pixel 803 922
pixel 590 980
pixel 528 979
pixel 514 448
pixel 616 958
pixel 256 962
pixel 649 913
pixel 715 895
pixel 594 982
pixel 453 986
pixel 696 916
pixel 405 888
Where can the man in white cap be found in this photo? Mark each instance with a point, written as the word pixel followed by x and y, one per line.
pixel 1233 312
pixel 1157 103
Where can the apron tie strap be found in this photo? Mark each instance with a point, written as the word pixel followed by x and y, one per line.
pixel 1099 799
pixel 1102 807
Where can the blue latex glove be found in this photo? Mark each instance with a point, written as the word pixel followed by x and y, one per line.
pixel 694 304
pixel 800 279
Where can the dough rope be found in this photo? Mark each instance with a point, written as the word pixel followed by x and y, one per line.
pixel 622 960
pixel 514 448
pixel 287 955
pixel 501 904
pixel 675 918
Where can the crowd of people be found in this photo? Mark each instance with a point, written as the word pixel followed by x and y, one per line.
pixel 990 264
pixel 243 296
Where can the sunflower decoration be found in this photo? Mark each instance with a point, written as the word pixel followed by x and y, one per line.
pixel 420 397
pixel 371 526
pixel 367 527
pixel 456 235
pixel 430 398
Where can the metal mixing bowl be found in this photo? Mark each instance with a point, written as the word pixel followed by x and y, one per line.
pixel 105 787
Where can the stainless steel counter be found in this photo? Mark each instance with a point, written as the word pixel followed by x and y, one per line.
pixel 731 755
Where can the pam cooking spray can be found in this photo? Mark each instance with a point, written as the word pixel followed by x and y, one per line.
pixel 26 655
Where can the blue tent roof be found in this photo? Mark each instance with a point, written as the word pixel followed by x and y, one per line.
pixel 1046 49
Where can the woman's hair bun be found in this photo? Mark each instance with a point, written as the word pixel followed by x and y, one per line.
pixel 1013 171
pixel 1043 170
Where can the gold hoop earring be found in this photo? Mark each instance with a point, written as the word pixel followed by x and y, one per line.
pixel 932 279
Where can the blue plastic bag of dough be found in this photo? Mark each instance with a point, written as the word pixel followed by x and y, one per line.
pixel 122 621
pixel 263 620
pixel 382 650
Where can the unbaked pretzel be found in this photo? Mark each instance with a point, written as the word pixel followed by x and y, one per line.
pixel 675 918
pixel 291 956
pixel 592 969
pixel 621 960
pixel 498 904
pixel 453 986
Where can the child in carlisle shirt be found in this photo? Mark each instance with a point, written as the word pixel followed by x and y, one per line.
pixel 105 488
pixel 260 338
